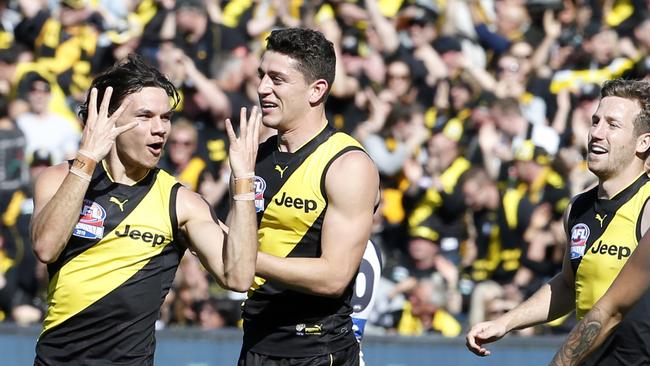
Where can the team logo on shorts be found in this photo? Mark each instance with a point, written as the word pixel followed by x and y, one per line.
pixel 91 221
pixel 260 187
pixel 579 236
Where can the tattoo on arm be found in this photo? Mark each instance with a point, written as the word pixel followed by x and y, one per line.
pixel 581 340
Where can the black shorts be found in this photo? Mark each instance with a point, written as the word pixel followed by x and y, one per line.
pixel 345 357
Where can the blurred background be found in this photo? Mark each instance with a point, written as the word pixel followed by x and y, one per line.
pixel 476 113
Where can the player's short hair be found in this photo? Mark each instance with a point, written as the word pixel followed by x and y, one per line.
pixel 636 90
pixel 127 76
pixel 313 52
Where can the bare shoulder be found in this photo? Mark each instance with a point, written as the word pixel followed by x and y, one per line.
pixel 191 206
pixel 354 164
pixel 353 173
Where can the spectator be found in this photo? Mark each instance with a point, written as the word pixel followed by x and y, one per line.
pixel 181 160
pixel 424 312
pixel 43 129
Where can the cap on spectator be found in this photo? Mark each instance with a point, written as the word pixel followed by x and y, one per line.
pixel 41 157
pixel 419 13
pixel 424 232
pixel 452 129
pixel 197 5
pixel 528 151
pixel 446 44
pixel 75 4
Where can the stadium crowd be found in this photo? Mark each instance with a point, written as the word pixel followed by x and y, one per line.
pixel 476 113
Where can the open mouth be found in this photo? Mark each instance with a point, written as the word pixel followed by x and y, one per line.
pixel 268 107
pixel 596 149
pixel 156 148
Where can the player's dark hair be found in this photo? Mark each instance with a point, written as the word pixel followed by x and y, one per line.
pixel 313 52
pixel 127 76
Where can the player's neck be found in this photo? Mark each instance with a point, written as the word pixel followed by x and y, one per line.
pixel 119 172
pixel 608 188
pixel 301 133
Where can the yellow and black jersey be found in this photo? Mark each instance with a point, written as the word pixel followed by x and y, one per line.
pixel 439 214
pixel 108 284
pixel 291 203
pixel 500 238
pixel 550 188
pixel 603 235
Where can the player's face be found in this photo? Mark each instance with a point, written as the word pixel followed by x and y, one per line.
pixel 143 145
pixel 612 141
pixel 283 91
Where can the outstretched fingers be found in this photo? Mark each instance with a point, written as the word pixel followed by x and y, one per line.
pixel 106 101
pixel 253 129
pixel 92 108
pixel 243 123
pixel 230 131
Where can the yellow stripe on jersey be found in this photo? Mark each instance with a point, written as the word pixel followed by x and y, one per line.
pixel 511 200
pixel 116 258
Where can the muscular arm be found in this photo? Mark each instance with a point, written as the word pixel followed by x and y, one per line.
pixel 351 185
pixel 608 312
pixel 228 256
pixel 58 196
pixel 58 193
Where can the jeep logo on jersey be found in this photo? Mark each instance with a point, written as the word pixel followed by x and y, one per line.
pixel 297 202
pixel 613 250
pixel 145 236
pixel 91 221
pixel 260 187
pixel 579 236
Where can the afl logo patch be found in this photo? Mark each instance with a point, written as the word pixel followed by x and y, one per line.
pixel 579 236
pixel 260 187
pixel 91 221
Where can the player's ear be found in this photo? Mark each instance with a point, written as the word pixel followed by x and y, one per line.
pixel 318 91
pixel 643 143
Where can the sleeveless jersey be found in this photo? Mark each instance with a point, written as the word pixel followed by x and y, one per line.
pixel 291 203
pixel 108 284
pixel 604 233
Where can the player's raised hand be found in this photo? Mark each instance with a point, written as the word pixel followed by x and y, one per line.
pixel 100 131
pixel 243 148
pixel 483 333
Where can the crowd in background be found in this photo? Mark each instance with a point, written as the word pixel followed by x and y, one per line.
pixel 476 113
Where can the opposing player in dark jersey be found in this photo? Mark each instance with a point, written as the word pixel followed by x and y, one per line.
pixel 625 305
pixel 108 223
pixel 315 194
pixel 604 226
